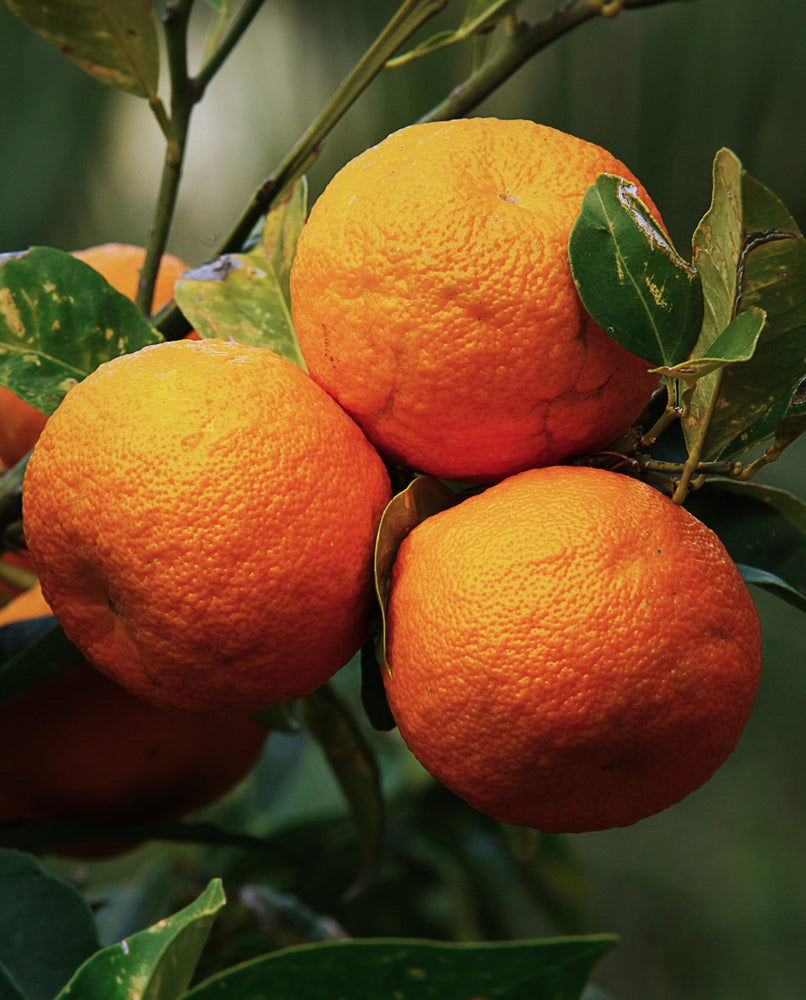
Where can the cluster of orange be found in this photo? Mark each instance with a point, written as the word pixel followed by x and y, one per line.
pixel 567 648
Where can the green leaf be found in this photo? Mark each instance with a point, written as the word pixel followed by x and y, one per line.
pixel 764 530
pixel 481 16
pixel 115 41
pixel 414 970
pixel 246 296
pixel 46 929
pixel 630 278
pixel 751 255
pixel 423 497
pixel 353 763
pixel 59 319
pixel 155 964
pixel 737 342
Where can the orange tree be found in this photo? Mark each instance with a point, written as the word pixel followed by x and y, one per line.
pixel 560 629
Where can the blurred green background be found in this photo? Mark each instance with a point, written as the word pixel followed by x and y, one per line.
pixel 709 897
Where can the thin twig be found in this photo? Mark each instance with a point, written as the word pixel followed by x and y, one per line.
pixel 519 47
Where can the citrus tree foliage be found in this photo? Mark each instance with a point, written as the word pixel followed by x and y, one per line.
pixel 722 323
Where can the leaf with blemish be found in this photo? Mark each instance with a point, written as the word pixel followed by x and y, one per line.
pixel 154 964
pixel 382 969
pixel 751 256
pixel 115 41
pixel 630 278
pixel 59 319
pixel 246 296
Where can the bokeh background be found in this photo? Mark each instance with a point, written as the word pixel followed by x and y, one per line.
pixel 709 898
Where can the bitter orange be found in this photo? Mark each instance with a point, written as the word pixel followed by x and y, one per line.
pixel 120 263
pixel 569 650
pixel 432 296
pixel 202 518
pixel 79 747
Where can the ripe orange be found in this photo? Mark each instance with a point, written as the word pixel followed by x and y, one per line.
pixel 433 298
pixel 79 747
pixel 120 263
pixel 569 650
pixel 202 517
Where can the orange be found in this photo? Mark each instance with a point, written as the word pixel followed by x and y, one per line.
pixel 202 518
pixel 569 650
pixel 120 263
pixel 433 298
pixel 79 747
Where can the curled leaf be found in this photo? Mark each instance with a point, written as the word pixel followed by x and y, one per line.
pixel 423 497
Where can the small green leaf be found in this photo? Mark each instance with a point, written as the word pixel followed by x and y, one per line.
pixel 246 296
pixel 353 763
pixel 764 530
pixel 46 929
pixel 737 342
pixel 154 964
pixel 630 278
pixel 414 970
pixel 423 497
pixel 59 319
pixel 481 16
pixel 115 41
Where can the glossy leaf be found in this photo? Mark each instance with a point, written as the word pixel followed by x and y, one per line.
pixel 46 929
pixel 751 255
pixel 353 763
pixel 630 278
pixel 423 497
pixel 414 970
pixel 115 41
pixel 763 529
pixel 59 319
pixel 154 964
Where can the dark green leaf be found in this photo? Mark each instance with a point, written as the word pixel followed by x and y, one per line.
pixel 630 278
pixel 59 319
pixel 114 41
pixel 246 296
pixel 751 255
pixel 763 529
pixel 155 964
pixel 32 651
pixel 46 928
pixel 414 970
pixel 353 763
pixel 423 497
pixel 373 691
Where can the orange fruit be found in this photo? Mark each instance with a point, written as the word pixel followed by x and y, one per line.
pixel 432 297
pixel 120 263
pixel 79 747
pixel 202 518
pixel 569 650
